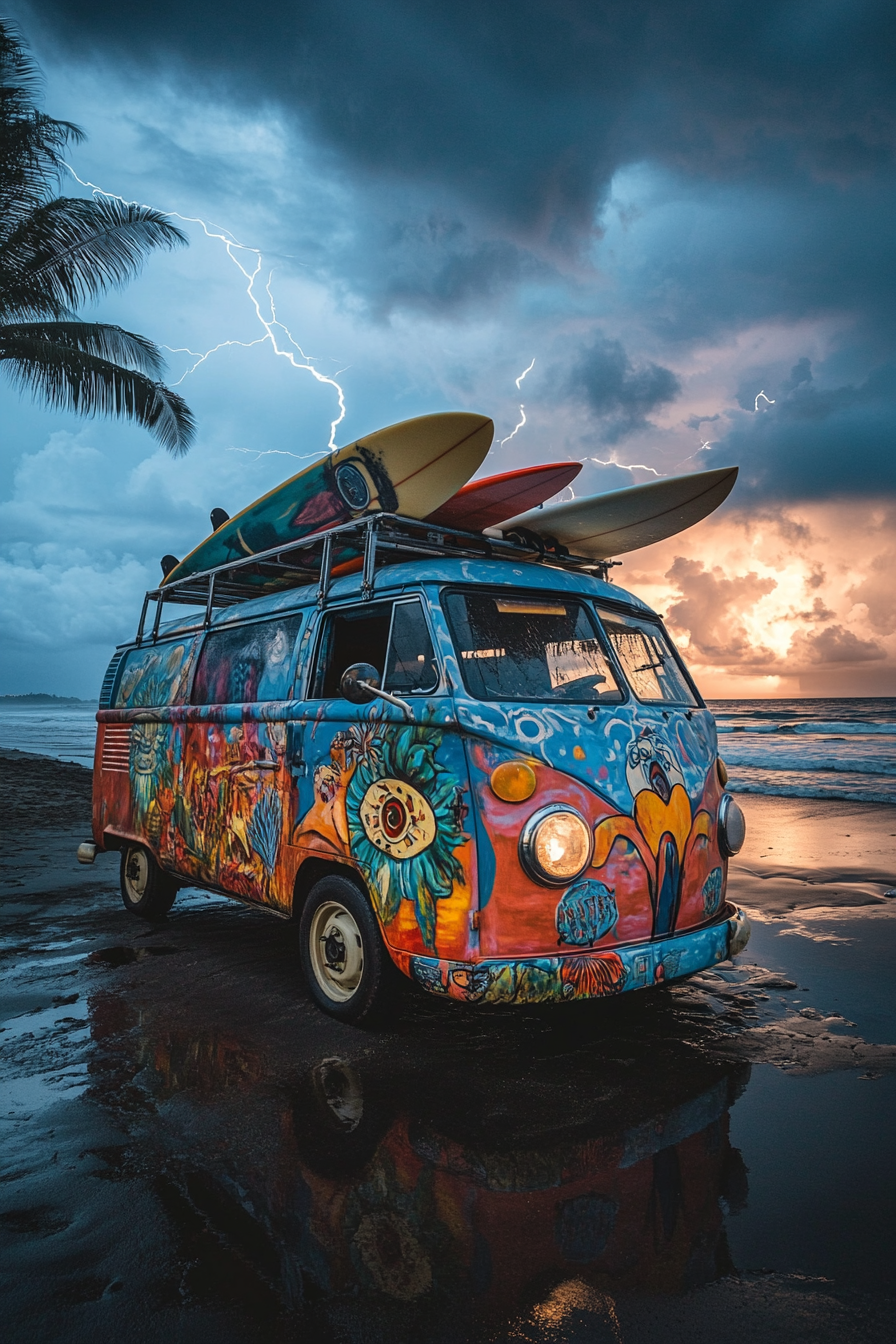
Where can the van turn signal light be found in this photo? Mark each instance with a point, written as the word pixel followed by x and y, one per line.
pixel 722 768
pixel 513 781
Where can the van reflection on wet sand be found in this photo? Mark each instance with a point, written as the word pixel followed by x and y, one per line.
pixel 447 1194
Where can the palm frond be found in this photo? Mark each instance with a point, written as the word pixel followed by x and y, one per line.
pixel 31 143
pixel 31 156
pixel 55 254
pixel 107 342
pixel 79 248
pixel 75 380
pixel 23 299
pixel 20 79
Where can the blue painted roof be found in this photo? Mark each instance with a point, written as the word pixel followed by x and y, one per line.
pixel 394 579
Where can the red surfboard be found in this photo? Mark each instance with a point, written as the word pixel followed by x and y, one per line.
pixel 488 502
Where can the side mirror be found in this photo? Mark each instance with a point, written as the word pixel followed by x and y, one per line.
pixel 361 683
pixel 352 684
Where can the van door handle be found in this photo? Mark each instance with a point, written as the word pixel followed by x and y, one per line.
pixel 294 757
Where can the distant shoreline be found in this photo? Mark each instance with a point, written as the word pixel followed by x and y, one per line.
pixel 38 698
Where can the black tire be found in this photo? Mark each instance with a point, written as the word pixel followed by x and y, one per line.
pixel 349 972
pixel 145 890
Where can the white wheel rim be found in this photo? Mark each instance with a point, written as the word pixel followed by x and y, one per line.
pixel 337 954
pixel 136 875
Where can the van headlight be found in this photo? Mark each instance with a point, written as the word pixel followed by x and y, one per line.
pixel 732 827
pixel 556 845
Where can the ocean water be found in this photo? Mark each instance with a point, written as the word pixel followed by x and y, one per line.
pixel 842 749
pixel 67 732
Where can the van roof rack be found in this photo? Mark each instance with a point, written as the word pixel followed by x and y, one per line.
pixel 377 539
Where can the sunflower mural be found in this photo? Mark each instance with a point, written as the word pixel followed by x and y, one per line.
pixel 405 820
pixel 385 800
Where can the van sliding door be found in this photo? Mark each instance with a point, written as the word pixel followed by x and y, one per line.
pixel 233 812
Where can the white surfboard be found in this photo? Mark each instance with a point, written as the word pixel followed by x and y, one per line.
pixel 601 526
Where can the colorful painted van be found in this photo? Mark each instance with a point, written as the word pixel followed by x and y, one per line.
pixel 497 777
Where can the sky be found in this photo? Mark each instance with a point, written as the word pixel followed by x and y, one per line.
pixel 675 214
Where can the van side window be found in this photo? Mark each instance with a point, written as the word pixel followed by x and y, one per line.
pixel 394 637
pixel 647 659
pixel 155 675
pixel 242 664
pixel 357 635
pixel 411 663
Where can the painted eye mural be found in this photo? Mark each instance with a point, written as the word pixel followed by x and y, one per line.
pixel 651 764
pixel 405 818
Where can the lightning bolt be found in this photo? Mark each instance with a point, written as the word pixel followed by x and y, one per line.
pixel 524 372
pixel 702 449
pixel 271 452
pixel 518 428
pixel 635 466
pixel 201 358
pixel 769 400
pixel 271 323
pixel 522 408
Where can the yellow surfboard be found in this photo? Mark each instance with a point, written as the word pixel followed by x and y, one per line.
pixel 410 468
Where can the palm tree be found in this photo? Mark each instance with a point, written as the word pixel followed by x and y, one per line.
pixel 57 253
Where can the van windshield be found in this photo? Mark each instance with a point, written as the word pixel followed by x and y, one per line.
pixel 524 647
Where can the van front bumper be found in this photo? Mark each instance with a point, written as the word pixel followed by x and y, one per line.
pixel 585 975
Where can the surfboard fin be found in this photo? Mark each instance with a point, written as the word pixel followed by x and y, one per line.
pixel 217 518
pixel 169 562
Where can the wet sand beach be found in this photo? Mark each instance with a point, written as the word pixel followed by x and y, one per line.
pixel 193 1152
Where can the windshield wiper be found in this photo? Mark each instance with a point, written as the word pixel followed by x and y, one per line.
pixel 651 667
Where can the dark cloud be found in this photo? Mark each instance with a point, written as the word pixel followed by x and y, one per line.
pixel 834 645
pixel 619 393
pixel 774 128
pixel 815 442
pixel 441 269
pixel 528 109
pixel 799 374
pixel 818 612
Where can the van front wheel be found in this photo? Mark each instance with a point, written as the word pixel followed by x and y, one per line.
pixel 145 890
pixel 349 972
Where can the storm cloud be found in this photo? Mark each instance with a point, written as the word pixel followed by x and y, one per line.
pixel 621 395
pixel 528 110
pixel 682 211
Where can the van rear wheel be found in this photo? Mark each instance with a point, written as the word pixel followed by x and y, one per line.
pixel 145 890
pixel 349 972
